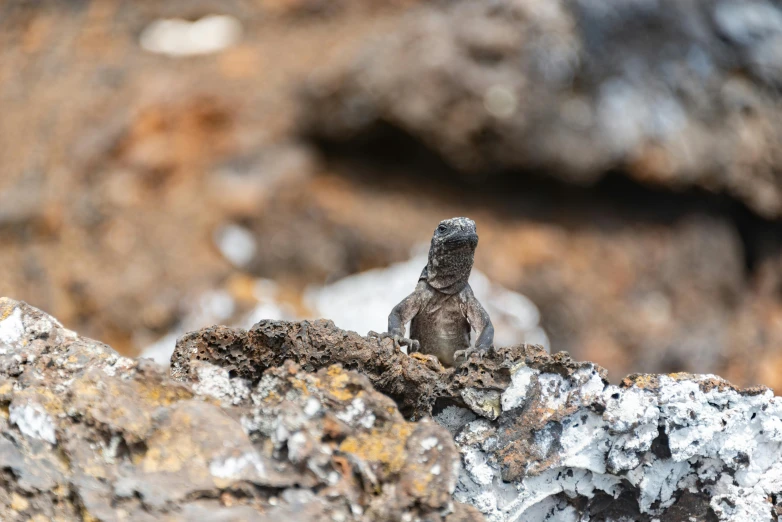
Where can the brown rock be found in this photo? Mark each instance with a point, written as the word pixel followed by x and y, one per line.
pixel 86 434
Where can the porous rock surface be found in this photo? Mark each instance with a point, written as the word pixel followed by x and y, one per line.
pixel 86 434
pixel 299 421
pixel 678 93
pixel 543 437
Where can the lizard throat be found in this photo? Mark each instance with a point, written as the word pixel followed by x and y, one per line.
pixel 448 270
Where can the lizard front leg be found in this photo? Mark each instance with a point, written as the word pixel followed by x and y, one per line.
pixel 402 314
pixel 481 322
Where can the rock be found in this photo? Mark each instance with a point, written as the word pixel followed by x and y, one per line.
pixel 94 200
pixel 314 344
pixel 655 298
pixel 543 437
pixel 287 422
pixel 674 94
pixel 178 38
pixel 147 149
pixel 87 434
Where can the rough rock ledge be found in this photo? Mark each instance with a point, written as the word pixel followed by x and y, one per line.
pixel 304 421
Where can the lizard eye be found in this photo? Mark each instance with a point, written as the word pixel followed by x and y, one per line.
pixel 442 228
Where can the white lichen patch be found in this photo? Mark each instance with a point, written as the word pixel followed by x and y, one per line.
pixel 177 37
pixel 110 451
pixel 429 443
pixel 539 488
pixel 626 409
pixel 215 382
pixel 117 363
pixel 583 443
pixel 551 510
pixel 453 418
pixel 691 434
pixel 356 413
pixel 657 482
pixel 38 324
pixel 237 467
pixel 741 504
pixel 11 329
pixel 312 407
pixel 297 446
pixel 475 463
pixel 33 421
pixel 514 395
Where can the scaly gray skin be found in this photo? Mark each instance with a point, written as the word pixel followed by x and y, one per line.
pixel 443 309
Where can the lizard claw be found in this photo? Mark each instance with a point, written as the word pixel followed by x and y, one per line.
pixel 461 356
pixel 401 340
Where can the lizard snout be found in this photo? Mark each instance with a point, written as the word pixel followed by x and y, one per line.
pixel 462 237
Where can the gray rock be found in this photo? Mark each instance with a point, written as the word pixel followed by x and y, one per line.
pixel 673 93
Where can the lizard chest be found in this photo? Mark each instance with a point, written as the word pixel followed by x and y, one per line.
pixel 443 315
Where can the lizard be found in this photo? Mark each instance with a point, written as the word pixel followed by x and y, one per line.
pixel 442 310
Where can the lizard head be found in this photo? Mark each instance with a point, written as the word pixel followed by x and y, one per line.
pixel 456 233
pixel 451 254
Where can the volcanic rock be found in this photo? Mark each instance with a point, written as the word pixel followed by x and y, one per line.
pixel 671 93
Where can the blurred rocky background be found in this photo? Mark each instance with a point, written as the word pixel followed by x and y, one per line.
pixel 169 165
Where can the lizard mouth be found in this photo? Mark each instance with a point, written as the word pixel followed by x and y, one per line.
pixel 461 239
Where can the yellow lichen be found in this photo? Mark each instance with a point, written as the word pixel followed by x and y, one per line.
pixel 171 452
pixel 95 470
pixel 645 381
pixel 6 307
pixel 338 383
pixel 421 483
pixel 125 404
pixel 161 395
pixel 61 491
pixel 86 516
pixel 51 403
pixel 18 502
pixel 680 376
pixel 6 388
pixel 272 396
pixel 491 406
pixel 386 448
pixel 301 386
